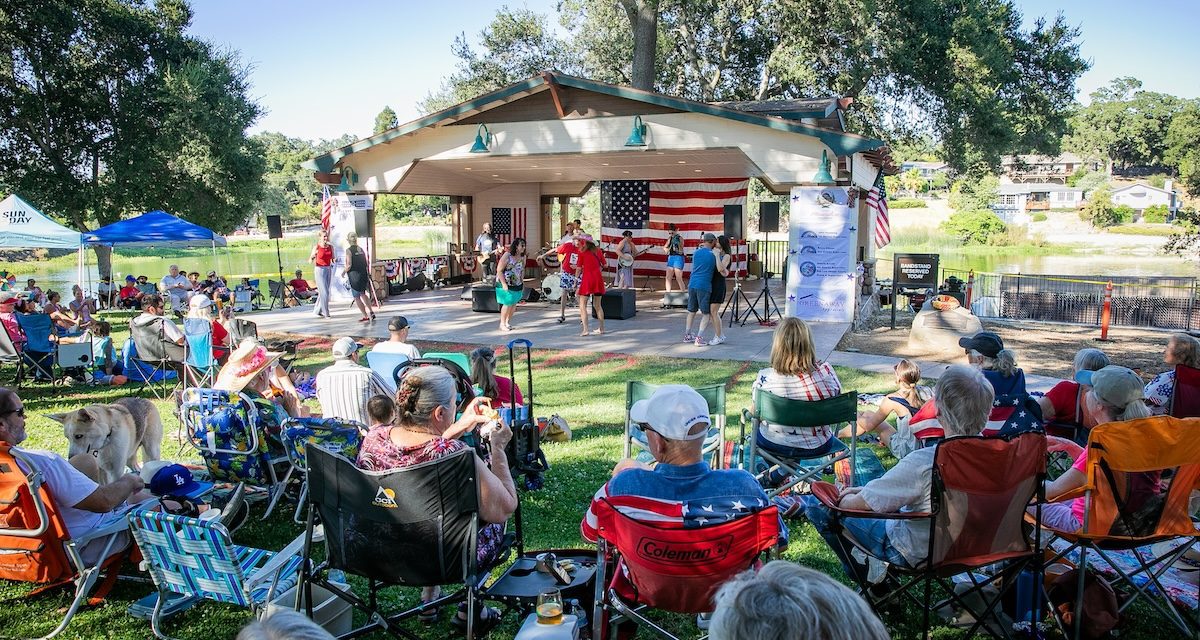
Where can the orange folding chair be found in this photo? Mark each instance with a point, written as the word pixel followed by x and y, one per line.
pixel 1140 475
pixel 981 487
pixel 641 565
pixel 36 547
pixel 1185 397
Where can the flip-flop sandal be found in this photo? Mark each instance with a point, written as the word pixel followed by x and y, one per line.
pixel 428 616
pixel 488 619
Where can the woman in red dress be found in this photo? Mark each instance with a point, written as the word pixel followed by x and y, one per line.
pixel 590 270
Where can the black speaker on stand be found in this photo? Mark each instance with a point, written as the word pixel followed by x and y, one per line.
pixel 733 221
pixel 362 223
pixel 275 232
pixel 768 216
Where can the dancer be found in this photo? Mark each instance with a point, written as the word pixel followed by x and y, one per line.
pixel 699 290
pixel 723 254
pixel 322 259
pixel 511 284
pixel 360 279
pixel 590 270
pixel 675 260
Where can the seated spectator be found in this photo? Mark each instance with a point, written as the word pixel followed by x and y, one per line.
pixel 397 342
pixel 904 402
pixel 785 601
pixel 105 291
pixel 1115 396
pixel 1016 412
pixel 152 321
pixel 1181 349
pixel 145 286
pixel 201 308
pixel 8 318
pixel 62 319
pixel 381 410
pixel 300 287
pixel 795 373
pixel 176 288
pixel 284 624
pixel 214 287
pixel 34 292
pixel 81 308
pixel 130 297
pixel 83 504
pixel 425 430
pixel 255 372
pixel 255 294
pixel 483 374
pixel 681 490
pixel 344 387
pixel 106 366
pixel 964 398
pixel 1064 402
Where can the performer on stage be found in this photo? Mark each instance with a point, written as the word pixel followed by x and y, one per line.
pixel 591 281
pixel 724 255
pixel 486 244
pixel 675 260
pixel 625 274
pixel 511 284
pixel 322 259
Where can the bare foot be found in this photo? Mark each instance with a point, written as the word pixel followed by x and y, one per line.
pixel 584 334
pixel 598 332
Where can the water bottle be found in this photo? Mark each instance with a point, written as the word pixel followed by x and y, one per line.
pixel 582 630
pixel 337 575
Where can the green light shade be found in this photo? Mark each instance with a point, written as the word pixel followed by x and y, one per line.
pixel 483 138
pixel 822 176
pixel 349 179
pixel 637 138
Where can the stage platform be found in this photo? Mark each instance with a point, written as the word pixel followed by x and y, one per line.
pixel 441 316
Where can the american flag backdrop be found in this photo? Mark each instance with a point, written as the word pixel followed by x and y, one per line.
pixel 646 207
pixel 877 203
pixel 327 206
pixel 509 223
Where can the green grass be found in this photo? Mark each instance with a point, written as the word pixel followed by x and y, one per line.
pixel 588 389
pixel 1163 230
pixel 931 240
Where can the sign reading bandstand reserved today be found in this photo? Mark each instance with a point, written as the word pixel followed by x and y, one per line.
pixel 821 237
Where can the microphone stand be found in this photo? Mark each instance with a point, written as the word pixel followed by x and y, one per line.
pixel 738 297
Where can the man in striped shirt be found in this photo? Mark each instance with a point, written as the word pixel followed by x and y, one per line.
pixel 344 387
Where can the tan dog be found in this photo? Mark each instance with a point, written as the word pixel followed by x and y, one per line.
pixel 113 433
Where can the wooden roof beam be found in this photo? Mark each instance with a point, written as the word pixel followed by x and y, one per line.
pixel 554 93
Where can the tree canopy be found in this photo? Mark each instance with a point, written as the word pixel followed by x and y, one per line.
pixel 108 108
pixel 963 72
pixel 1124 125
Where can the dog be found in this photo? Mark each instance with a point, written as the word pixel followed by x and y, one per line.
pixel 113 433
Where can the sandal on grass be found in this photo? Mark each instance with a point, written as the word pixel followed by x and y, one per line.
pixel 486 619
pixel 428 616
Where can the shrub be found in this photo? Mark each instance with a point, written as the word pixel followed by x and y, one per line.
pixel 1038 217
pixel 970 195
pixel 1155 214
pixel 906 203
pixel 1122 214
pixel 974 227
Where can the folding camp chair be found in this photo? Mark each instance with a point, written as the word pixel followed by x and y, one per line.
pixel 36 546
pixel 981 488
pixel 342 437
pixel 714 442
pixel 201 366
pixel 640 565
pixel 239 329
pixel 1140 475
pixel 226 429
pixel 160 356
pixel 412 527
pixel 10 356
pixel 279 292
pixel 197 558
pixel 385 365
pixel 459 359
pixel 38 354
pixel 73 359
pixel 797 413
pixel 1185 397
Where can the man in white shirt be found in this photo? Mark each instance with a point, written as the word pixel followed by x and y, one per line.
pixel 171 335
pixel 398 342
pixel 344 387
pixel 176 287
pixel 83 504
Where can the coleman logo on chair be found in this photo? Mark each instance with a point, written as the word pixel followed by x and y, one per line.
pixel 385 498
pixel 674 552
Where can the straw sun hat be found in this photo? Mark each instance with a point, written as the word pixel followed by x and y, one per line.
pixel 250 359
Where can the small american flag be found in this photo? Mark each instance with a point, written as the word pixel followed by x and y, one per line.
pixel 327 207
pixel 877 202
pixel 509 223
pixel 646 207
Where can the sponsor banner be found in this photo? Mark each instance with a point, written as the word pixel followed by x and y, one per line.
pixel 821 240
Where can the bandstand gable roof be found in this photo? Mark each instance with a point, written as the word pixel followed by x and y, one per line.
pixel 552 96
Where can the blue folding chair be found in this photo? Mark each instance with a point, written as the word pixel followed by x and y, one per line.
pixel 342 437
pixel 38 355
pixel 385 365
pixel 198 352
pixel 196 558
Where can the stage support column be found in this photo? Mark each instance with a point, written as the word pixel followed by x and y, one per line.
pixel 455 222
pixel 563 201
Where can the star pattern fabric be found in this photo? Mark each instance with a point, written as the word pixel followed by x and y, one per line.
pixel 625 203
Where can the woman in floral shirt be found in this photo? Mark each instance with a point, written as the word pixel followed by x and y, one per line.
pixel 1181 349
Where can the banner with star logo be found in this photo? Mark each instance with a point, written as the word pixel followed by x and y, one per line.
pixel 822 276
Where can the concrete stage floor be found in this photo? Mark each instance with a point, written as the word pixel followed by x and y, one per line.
pixel 441 316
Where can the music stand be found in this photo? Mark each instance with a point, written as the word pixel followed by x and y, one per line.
pixel 738 297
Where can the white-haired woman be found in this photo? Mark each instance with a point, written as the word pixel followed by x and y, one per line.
pixel 200 307
pixel 322 259
pixel 1181 349
pixel 359 275
pixel 1064 404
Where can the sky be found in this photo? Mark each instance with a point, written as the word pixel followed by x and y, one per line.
pixel 322 69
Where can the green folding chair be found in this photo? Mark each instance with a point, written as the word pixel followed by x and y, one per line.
pixel 714 442
pixel 459 359
pixel 801 414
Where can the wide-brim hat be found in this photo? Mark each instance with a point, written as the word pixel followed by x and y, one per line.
pixel 247 361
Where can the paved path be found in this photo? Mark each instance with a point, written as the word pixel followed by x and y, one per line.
pixel 442 316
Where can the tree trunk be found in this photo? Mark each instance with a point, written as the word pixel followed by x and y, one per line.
pixel 104 261
pixel 643 20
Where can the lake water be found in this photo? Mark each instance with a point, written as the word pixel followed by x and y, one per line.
pixel 1093 262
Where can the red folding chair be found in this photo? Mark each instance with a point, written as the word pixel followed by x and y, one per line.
pixel 981 487
pixel 670 569
pixel 1185 398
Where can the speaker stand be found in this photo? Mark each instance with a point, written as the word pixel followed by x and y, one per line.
pixel 283 288
pixel 769 306
pixel 738 297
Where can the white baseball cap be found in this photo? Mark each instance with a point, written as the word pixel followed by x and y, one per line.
pixel 344 347
pixel 672 411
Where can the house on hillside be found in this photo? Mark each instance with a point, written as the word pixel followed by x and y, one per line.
pixel 1139 196
pixel 927 169
pixel 1017 202
pixel 1044 169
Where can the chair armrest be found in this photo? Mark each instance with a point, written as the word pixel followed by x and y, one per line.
pixel 1078 492
pixel 272 566
pixel 829 496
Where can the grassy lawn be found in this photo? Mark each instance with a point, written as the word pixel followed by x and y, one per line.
pixel 587 389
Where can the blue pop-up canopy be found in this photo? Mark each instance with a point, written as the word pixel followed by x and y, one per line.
pixel 156 229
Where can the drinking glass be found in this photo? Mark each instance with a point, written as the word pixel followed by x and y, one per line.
pixel 549 607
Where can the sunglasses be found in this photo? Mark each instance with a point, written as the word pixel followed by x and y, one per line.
pixel 644 427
